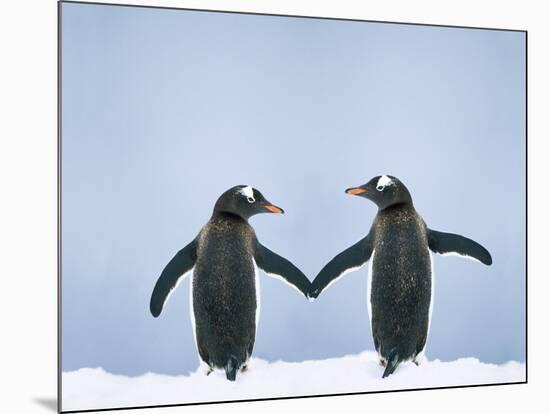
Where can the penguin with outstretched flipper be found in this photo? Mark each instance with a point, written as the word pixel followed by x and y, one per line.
pixel 400 283
pixel 225 291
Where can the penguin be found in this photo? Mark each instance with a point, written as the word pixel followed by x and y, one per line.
pixel 225 292
pixel 400 285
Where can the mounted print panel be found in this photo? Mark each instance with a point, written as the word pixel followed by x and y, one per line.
pixel 261 207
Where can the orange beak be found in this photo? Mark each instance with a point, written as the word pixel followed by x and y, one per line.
pixel 355 191
pixel 274 209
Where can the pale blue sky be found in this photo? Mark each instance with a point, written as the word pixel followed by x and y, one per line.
pixel 163 110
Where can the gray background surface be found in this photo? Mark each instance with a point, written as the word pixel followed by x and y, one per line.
pixel 164 110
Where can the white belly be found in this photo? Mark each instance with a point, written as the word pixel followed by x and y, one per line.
pixel 431 295
pixel 369 287
pixel 192 311
pixel 257 289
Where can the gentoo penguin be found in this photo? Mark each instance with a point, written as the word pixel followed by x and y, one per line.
pixel 225 291
pixel 400 292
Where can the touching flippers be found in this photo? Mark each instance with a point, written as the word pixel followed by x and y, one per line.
pixel 350 259
pixel 180 265
pixel 448 243
pixel 275 265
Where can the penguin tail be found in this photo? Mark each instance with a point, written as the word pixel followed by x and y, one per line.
pixel 391 364
pixel 231 368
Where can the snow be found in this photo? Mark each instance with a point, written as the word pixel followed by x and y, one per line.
pixel 94 388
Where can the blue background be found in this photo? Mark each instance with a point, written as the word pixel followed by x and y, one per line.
pixel 163 110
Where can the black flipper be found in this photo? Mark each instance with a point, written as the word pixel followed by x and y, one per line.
pixel 443 243
pixel 353 257
pixel 180 264
pixel 391 365
pixel 273 264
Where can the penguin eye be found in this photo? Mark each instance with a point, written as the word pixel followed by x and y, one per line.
pixel 248 193
pixel 380 187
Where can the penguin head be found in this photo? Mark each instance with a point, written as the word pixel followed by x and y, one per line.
pixel 384 191
pixel 245 201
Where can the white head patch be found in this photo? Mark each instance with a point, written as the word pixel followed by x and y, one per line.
pixel 384 182
pixel 248 192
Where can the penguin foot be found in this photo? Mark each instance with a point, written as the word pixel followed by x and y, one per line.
pixel 205 368
pixel 382 362
pixel 244 368
pixel 418 359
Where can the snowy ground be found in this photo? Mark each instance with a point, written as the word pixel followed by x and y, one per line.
pixel 89 388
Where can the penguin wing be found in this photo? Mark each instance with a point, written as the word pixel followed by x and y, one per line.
pixel 174 272
pixel 350 259
pixel 279 267
pixel 448 244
